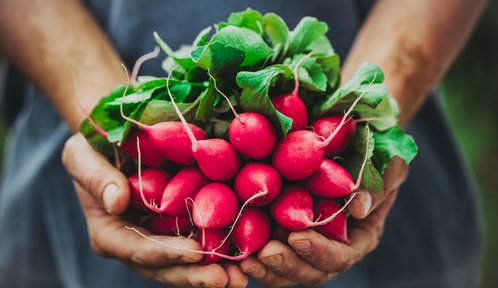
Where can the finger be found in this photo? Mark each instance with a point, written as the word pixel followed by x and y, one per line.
pixel 212 275
pixel 281 259
pixel 96 175
pixel 236 278
pixel 334 256
pixel 110 238
pixel 257 270
pixel 365 202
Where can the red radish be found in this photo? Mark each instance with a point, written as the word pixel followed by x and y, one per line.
pixel 152 183
pixel 300 154
pixel 185 184
pixel 255 178
pixel 331 181
pixel 215 206
pixel 163 224
pixel 251 232
pixel 169 138
pixel 280 234
pixel 210 241
pixel 251 134
pixel 335 229
pixel 150 156
pixel 216 158
pixel 293 209
pixel 325 126
pixel 291 105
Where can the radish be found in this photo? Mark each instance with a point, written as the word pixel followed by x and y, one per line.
pixel 216 158
pixel 168 225
pixel 185 184
pixel 331 181
pixel 147 188
pixel 169 138
pixel 291 105
pixel 293 209
pixel 251 134
pixel 325 126
pixel 300 154
pixel 255 178
pixel 210 240
pixel 150 156
pixel 280 234
pixel 215 206
pixel 335 229
pixel 251 233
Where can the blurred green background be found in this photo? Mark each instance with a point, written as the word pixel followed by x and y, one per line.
pixel 470 100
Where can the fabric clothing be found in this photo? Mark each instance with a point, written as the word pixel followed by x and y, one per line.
pixel 44 242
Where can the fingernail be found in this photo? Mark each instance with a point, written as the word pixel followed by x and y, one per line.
pixel 367 204
pixel 109 197
pixel 302 246
pixel 274 260
pixel 258 272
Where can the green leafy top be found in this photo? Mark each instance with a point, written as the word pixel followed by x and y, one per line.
pixel 252 57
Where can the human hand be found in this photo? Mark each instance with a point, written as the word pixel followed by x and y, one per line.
pixel 311 258
pixel 103 193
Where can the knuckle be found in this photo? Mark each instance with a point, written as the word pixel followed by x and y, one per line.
pixel 90 180
pixel 68 151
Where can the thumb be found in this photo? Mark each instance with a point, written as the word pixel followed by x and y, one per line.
pixel 96 175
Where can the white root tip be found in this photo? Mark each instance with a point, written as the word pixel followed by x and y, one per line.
pixel 142 60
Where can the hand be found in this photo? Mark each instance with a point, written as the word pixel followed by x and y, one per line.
pixel 313 259
pixel 98 185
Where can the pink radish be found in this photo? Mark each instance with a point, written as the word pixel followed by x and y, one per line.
pixel 300 154
pixel 291 105
pixel 150 156
pixel 185 184
pixel 173 199
pixel 331 181
pixel 255 178
pixel 215 206
pixel 168 225
pixel 169 138
pixel 335 229
pixel 251 134
pixel 210 240
pixel 152 183
pixel 293 210
pixel 325 126
pixel 216 158
pixel 251 233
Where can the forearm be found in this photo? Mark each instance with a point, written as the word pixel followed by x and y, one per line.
pixel 414 43
pixel 48 40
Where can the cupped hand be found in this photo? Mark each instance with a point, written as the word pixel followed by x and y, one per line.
pixel 311 258
pixel 103 193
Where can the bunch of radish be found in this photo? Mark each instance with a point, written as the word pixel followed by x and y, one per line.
pixel 279 162
pixel 224 192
